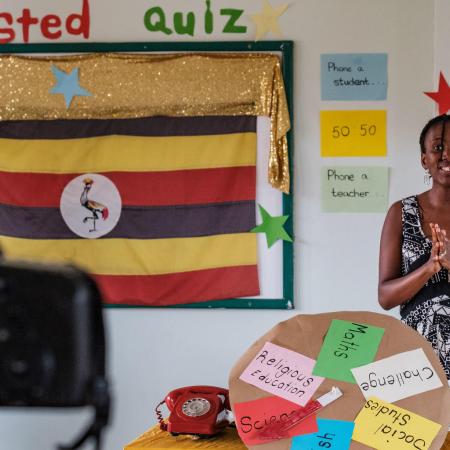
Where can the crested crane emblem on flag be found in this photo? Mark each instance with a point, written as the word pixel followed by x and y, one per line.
pixel 97 209
pixel 91 205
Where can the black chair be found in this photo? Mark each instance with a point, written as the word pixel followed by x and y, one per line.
pixel 52 342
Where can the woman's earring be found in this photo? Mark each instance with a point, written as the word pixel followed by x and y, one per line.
pixel 427 177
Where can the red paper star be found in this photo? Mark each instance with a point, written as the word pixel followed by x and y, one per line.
pixel 442 96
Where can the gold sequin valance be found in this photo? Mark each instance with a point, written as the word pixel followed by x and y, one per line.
pixel 136 85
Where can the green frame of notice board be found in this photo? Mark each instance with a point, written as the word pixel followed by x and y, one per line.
pixel 285 49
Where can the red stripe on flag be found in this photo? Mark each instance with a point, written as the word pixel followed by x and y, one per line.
pixel 187 187
pixel 179 288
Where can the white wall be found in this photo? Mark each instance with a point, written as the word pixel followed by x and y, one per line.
pixel 441 39
pixel 153 351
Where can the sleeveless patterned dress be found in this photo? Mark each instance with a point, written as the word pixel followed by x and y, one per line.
pixel 428 312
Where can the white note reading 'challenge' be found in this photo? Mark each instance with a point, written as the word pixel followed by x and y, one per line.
pixel 398 376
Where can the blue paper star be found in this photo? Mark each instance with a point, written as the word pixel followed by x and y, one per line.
pixel 68 85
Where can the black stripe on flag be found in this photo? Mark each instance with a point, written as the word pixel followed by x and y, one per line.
pixel 145 126
pixel 135 222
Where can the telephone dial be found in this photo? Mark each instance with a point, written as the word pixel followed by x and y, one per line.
pixel 199 410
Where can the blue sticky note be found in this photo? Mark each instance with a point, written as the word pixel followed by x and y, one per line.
pixel 354 76
pixel 332 435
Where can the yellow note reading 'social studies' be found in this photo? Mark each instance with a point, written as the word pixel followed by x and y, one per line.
pixel 383 425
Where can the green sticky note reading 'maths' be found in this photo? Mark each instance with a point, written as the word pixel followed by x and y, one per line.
pixel 347 345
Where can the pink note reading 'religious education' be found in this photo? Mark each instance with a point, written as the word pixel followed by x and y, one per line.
pixel 283 372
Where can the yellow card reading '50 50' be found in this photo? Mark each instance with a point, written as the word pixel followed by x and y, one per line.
pixel 383 425
pixel 353 133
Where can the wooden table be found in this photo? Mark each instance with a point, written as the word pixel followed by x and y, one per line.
pixel 446 445
pixel 155 439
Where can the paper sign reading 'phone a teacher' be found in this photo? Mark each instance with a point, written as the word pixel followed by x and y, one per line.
pixel 283 372
pixel 397 377
pixel 383 425
pixel 254 416
pixel 347 345
pixel 354 189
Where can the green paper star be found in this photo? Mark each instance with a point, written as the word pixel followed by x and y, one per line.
pixel 273 227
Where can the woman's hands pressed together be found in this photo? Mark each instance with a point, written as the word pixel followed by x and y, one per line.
pixel 441 246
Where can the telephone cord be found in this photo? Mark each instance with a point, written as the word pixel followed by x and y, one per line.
pixel 162 424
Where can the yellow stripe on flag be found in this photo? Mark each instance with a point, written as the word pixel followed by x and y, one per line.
pixel 138 256
pixel 127 153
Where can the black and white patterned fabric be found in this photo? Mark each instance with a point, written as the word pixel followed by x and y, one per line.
pixel 428 312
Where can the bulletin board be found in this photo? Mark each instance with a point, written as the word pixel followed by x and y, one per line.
pixel 275 261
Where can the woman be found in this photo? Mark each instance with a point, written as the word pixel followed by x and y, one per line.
pixel 415 251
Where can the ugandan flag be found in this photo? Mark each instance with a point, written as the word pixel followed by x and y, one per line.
pixel 158 210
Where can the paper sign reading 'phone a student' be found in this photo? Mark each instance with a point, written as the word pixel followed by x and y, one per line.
pixel 254 416
pixel 347 345
pixel 353 133
pixel 397 377
pixel 332 434
pixel 353 76
pixel 282 372
pixel 383 425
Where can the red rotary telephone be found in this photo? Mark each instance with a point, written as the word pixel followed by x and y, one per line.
pixel 199 410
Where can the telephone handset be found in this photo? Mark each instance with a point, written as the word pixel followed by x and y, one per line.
pixel 200 410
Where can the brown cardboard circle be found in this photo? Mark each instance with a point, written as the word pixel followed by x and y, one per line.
pixel 305 333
